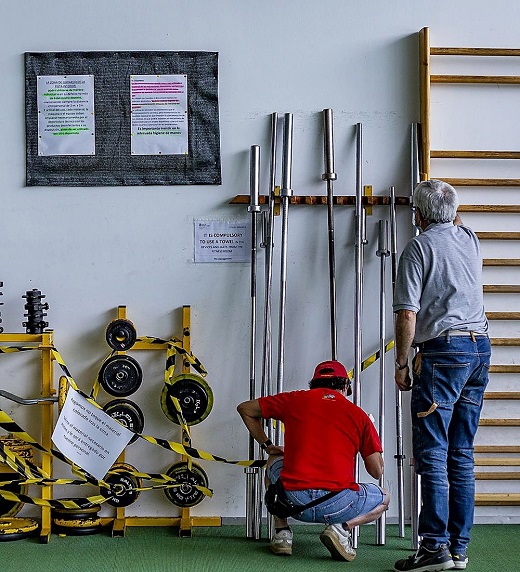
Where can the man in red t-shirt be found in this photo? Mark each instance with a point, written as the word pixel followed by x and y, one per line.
pixel 324 432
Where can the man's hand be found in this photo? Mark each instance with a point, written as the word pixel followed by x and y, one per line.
pixel 275 450
pixel 403 379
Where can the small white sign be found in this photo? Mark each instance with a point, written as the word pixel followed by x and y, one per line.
pixel 88 436
pixel 222 240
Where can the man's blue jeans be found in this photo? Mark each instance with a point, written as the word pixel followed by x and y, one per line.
pixel 449 379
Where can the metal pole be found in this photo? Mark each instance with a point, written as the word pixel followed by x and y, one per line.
pixel 399 456
pixel 329 175
pixel 285 194
pixel 382 252
pixel 268 226
pixel 360 241
pixel 416 505
pixel 416 479
pixel 267 361
pixel 252 508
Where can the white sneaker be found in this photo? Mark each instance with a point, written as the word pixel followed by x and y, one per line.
pixel 338 542
pixel 281 542
pixel 459 561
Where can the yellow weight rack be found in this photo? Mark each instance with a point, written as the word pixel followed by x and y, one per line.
pixel 185 522
pixel 44 343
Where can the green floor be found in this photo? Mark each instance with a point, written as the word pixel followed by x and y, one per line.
pixel 493 547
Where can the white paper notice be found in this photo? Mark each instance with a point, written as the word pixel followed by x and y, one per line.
pixel 222 241
pixel 88 436
pixel 159 106
pixel 66 115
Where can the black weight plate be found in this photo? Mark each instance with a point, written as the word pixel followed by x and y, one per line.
pixel 123 486
pixel 194 395
pixel 75 513
pixel 186 495
pixel 121 335
pixel 127 413
pixel 17 528
pixel 65 530
pixel 10 508
pixel 79 527
pixel 120 375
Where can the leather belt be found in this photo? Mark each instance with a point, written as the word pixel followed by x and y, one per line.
pixel 466 333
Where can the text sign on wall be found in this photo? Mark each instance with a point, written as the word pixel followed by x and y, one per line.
pixel 66 123
pixel 159 108
pixel 222 241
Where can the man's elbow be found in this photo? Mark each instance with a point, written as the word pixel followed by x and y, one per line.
pixel 406 315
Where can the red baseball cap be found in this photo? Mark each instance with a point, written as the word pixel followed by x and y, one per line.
pixel 327 369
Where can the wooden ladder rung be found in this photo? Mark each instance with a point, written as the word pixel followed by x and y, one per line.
pixel 501 262
pixel 482 182
pixel 499 422
pixel 502 395
pixel 475 79
pixel 445 154
pixel 503 315
pixel 498 235
pixel 494 209
pixel 502 288
pixel 497 499
pixel 498 462
pixel 505 341
pixel 438 51
pixel 497 448
pixel 498 476
pixel 504 368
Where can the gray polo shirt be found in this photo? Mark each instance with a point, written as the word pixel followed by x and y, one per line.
pixel 440 278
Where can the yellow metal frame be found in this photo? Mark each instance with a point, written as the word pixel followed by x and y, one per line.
pixel 44 342
pixel 185 521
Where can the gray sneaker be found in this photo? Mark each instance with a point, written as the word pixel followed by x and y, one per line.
pixel 338 542
pixel 281 542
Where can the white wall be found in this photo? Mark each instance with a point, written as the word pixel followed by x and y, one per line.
pixel 92 249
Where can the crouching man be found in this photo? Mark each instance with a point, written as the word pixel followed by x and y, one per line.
pixel 324 432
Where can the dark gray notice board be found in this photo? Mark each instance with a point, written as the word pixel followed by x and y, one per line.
pixel 113 163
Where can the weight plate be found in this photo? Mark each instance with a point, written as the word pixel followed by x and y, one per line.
pixel 186 495
pixel 127 413
pixel 17 528
pixel 75 513
pixel 121 335
pixel 120 375
pixel 194 395
pixel 10 508
pixel 65 530
pixel 123 485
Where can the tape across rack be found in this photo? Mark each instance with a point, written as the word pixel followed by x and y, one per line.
pixel 34 475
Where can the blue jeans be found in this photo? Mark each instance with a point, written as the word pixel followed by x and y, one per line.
pixel 344 506
pixel 449 379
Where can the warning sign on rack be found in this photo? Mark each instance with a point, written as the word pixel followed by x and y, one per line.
pixel 88 436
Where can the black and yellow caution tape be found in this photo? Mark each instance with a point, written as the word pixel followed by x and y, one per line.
pixel 372 359
pixel 175 347
pixel 35 475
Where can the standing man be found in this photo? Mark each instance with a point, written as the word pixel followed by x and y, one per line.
pixel 438 300
pixel 324 432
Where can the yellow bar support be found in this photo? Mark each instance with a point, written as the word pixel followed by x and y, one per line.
pixel 47 390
